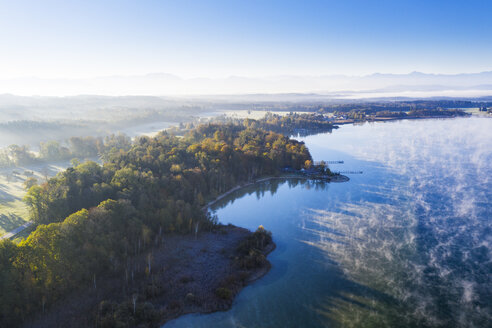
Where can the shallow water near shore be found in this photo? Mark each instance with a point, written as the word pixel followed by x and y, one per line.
pixel 408 243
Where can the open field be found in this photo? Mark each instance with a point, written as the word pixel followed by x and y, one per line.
pixel 13 211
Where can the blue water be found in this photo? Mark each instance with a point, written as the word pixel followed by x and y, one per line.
pixel 408 243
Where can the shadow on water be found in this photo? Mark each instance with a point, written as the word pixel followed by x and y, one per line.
pixel 260 189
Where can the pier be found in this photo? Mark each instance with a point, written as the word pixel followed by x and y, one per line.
pixel 328 162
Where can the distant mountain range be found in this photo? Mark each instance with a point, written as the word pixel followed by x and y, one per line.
pixel 414 84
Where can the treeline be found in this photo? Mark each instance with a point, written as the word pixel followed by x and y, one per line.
pixel 424 113
pixel 289 124
pixel 387 113
pixel 437 113
pixel 398 106
pixel 292 123
pixel 369 107
pixel 75 147
pixel 93 220
pixel 362 116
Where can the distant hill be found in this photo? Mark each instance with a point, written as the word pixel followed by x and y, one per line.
pixel 159 84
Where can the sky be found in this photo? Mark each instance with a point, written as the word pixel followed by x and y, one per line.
pixel 83 39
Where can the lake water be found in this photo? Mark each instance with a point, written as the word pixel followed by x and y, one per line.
pixel 408 243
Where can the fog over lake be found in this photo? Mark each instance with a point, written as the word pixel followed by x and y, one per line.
pixel 406 243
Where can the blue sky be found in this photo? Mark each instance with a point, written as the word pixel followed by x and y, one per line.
pixel 248 38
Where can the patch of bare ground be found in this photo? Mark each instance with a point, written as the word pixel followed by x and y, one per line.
pixel 185 274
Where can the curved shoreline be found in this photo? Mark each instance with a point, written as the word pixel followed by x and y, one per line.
pixel 212 303
pixel 187 273
pixel 334 178
pixel 259 272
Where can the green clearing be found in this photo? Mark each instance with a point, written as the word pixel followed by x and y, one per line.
pixel 13 215
pixel 13 211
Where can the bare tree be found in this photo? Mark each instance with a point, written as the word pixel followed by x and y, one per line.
pixel 149 262
pixel 134 300
pixel 196 229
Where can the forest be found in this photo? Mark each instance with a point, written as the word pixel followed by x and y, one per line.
pixel 93 219
pixel 293 123
pixel 288 124
pixel 76 147
pixel 362 116
pixel 367 106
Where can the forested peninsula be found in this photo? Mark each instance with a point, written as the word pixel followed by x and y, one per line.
pixel 110 238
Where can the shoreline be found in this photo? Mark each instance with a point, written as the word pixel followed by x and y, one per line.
pixel 256 273
pixel 237 279
pixel 338 178
pixel 187 275
pixel 388 119
pixel 199 274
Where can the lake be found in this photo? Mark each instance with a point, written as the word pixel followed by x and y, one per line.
pixel 407 243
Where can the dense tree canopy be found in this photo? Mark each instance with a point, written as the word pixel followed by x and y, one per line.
pixel 92 219
pixel 293 123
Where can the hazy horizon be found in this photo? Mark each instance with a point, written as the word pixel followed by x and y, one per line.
pixel 154 154
pixel 113 47
pixel 412 85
